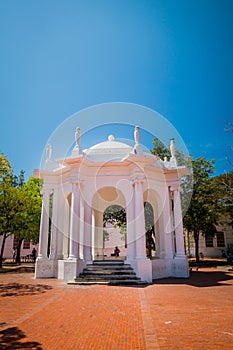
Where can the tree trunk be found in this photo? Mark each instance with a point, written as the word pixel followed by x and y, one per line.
pixel 188 238
pixel 18 250
pixel 2 248
pixel 196 239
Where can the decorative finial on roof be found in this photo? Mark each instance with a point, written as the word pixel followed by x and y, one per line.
pixel 172 147
pixel 48 152
pixel 77 151
pixel 48 163
pixel 111 138
pixel 137 147
pixel 77 136
pixel 137 135
pixel 173 161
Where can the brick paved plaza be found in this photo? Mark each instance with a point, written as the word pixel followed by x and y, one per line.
pixel 194 313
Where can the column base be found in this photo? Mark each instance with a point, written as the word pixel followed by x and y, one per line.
pixel 180 266
pixel 177 267
pixel 70 268
pixel 180 256
pixel 143 269
pixel 45 268
pixel 40 257
pixel 72 258
pixel 88 262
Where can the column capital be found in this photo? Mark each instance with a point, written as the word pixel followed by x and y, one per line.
pixel 46 190
pixel 136 179
pixel 75 181
pixel 176 188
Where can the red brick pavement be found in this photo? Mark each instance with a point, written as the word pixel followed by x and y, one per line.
pixel 194 313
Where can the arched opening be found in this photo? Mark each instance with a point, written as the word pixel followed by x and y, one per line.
pixel 108 205
pixel 150 230
pixel 114 232
pixel 152 212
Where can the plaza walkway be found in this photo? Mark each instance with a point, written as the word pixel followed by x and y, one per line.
pixel 194 313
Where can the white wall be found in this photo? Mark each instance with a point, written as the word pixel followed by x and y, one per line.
pixel 215 251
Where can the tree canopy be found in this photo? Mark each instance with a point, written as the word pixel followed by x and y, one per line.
pixel 20 205
pixel 205 208
pixel 160 149
pixel 26 222
pixel 115 215
pixel 225 182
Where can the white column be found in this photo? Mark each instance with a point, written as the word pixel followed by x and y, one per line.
pixel 87 233
pixel 74 222
pixel 141 264
pixel 60 229
pixel 54 226
pixel 66 216
pixel 157 237
pixel 178 223
pixel 99 241
pixel 44 225
pixel 139 221
pixel 167 249
pixel 93 250
pixel 81 228
pixel 130 229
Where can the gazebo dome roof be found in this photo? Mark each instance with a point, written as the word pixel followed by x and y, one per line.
pixel 110 150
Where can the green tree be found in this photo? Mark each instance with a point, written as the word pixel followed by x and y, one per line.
pixel 20 179
pixel 225 182
pixel 26 221
pixel 230 129
pixel 205 208
pixel 8 200
pixel 160 149
pixel 115 215
pixel 149 226
pixel 20 206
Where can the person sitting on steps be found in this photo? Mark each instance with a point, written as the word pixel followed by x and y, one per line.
pixel 116 251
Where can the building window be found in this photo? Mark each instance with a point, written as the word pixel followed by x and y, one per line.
pixel 220 239
pixel 26 244
pixel 209 241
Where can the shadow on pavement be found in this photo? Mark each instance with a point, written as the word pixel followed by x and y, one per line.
pixel 16 268
pixel 201 279
pixel 18 289
pixel 10 339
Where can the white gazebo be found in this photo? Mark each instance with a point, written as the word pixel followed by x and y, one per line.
pixel 77 191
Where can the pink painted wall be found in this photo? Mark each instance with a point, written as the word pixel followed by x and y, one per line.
pixel 8 250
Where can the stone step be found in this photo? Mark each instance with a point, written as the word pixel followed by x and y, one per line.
pixel 129 282
pixel 111 282
pixel 112 268
pixel 87 283
pixel 108 272
pixel 106 277
pixel 108 262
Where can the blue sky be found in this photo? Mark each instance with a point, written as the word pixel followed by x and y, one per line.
pixel 58 57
